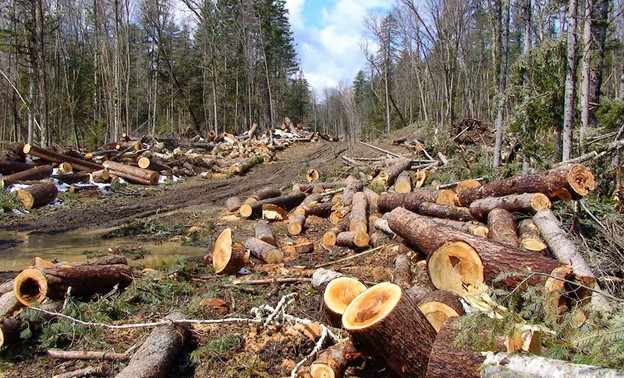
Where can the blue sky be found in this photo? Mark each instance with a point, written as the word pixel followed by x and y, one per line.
pixel 328 34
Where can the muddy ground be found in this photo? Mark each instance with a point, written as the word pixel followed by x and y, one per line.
pixel 193 212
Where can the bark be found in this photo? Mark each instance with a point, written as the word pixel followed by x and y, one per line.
pixel 73 178
pixel 352 186
pixel 451 212
pixel 570 83
pixel 507 364
pixel 319 209
pixel 233 204
pixel 352 239
pixel 333 361
pixel 527 203
pixel 86 355
pixel 386 322
pixel 372 197
pixel 421 284
pixel 586 72
pixel 440 305
pixel 152 164
pixel 387 177
pixel 403 184
pixel 10 329
pixel 296 224
pixel 502 78
pixel 132 174
pixel 95 276
pixel 79 164
pixel 569 181
pixel 100 176
pixel 481 259
pixel 37 195
pixel 378 238
pixel 287 202
pixel 228 257
pixel 358 221
pixel 529 237
pixel 266 193
pixel 8 304
pixel 36 173
pixel 263 232
pixel 502 227
pixel 411 201
pixel 473 227
pixel 402 271
pixel 157 353
pixel 11 167
pixel 264 251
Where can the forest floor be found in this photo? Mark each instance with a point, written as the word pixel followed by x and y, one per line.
pixel 192 212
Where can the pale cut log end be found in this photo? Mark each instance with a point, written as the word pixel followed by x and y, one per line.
pixel 27 148
pixel 540 202
pixel 329 239
pixel 467 184
pixel 421 176
pixel 340 292
pixel 447 197
pixel 313 175
pixel 143 162
pixel 358 225
pixel 294 228
pixel 453 265
pixel 438 306
pixel 322 371
pixel 228 257
pixel 30 286
pixel 533 245
pixel 361 239
pixel 26 199
pixel 403 187
pixel 245 210
pixel 581 179
pixel 371 306
pixel 482 231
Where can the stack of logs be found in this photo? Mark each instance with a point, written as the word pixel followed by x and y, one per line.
pixel 459 241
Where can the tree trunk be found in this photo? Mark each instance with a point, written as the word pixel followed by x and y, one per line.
pixel 352 186
pixel 287 202
pixel 440 305
pixel 387 177
pixel 586 71
pixel 412 201
pixel 11 167
pixel 386 322
pixel 569 181
pixel 265 193
pixel 73 178
pixel 37 195
pixel 228 257
pixel 316 187
pixel 502 227
pixel 36 173
pixel 132 174
pixel 8 304
pixel 233 204
pixel 451 212
pixel 157 353
pixel 502 78
pixel 570 82
pixel 527 202
pixel 507 364
pixel 402 271
pixel 358 221
pixel 472 227
pixel 264 251
pixel 79 164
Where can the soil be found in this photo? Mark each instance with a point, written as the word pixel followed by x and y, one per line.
pixel 193 212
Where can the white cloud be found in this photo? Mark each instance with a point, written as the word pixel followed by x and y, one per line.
pixel 330 52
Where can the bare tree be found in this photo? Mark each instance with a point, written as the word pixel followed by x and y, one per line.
pixel 504 10
pixel 570 81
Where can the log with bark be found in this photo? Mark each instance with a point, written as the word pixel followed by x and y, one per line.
pixel 296 224
pixel 352 186
pixel 79 164
pixel 317 187
pixel 8 304
pixel 352 239
pixel 472 227
pixel 263 232
pixel 33 173
pixel 386 322
pixel 10 329
pixel 73 178
pixel 440 305
pixel 318 209
pixel 529 237
pixel 570 181
pixel 502 227
pixel 456 258
pixel 264 251
pixel 412 201
pixel 287 202
pixel 228 257
pixel 403 183
pixel 233 204
pixel 86 278
pixel 333 361
pixel 101 176
pixel 358 221
pixel 132 174
pixel 444 211
pixel 529 203
pixel 11 167
pixel 387 177
pixel 329 238
pixel 337 296
pixel 372 197
pixel 157 353
pixel 402 271
pixel 37 195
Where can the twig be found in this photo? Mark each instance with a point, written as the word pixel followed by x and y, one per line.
pixel 350 161
pixel 332 192
pixel 280 280
pixel 91 370
pixel 382 150
pixel 86 355
pixel 591 215
pixel 351 257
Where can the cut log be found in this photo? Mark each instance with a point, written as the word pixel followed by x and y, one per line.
pixel 263 232
pixel 372 197
pixel 570 181
pixel 79 164
pixel 467 184
pixel 318 209
pixel 37 195
pixel 472 227
pixel 438 306
pixel 273 212
pixel 337 296
pixel 411 201
pixel 333 361
pixel 421 284
pixel 152 164
pixel 403 183
pixel 265 193
pixel 233 204
pixel 157 353
pixel 352 186
pixel 228 257
pixel 352 239
pixel 245 165
pixel 378 238
pixel 339 213
pixel 132 174
pixel 11 167
pixel 34 173
pixel 421 176
pixel 358 221
pixel 264 251
pixel 100 176
pixel 93 276
pixel 442 211
pixel 10 329
pixel 529 203
pixel 287 202
pixel 73 178
pixel 8 304
pixel 310 188
pixel 302 246
pixel 329 238
pixel 86 355
pixel 502 227
pixel 456 258
pixel 386 322
pixel 296 224
pixel 65 168
pixel 387 177
pixel 402 271
pixel 313 175
pixel 382 225
pixel 529 237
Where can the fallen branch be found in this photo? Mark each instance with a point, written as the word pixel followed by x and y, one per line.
pixel 351 257
pixel 86 355
pixel 382 150
pixel 86 372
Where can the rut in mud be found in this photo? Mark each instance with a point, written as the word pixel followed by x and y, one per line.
pixel 290 164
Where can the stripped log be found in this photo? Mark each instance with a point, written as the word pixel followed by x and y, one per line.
pixel 352 239
pixel 157 353
pixel 456 258
pixel 529 203
pixel 313 188
pixel 403 183
pixel 37 195
pixel 132 174
pixel 33 173
pixel 502 227
pixel 443 211
pixel 86 355
pixel 529 237
pixel 440 305
pixel 78 164
pixel 382 225
pixel 387 323
pixel 402 271
pixel 337 296
pixel 263 232
pixel 333 361
pixel 570 181
pixel 412 201
pixel 358 221
pixel 264 251
pixel 228 257
pixel 11 167
pixel 296 224
pixel 232 204
pixel 86 278
pixel 287 202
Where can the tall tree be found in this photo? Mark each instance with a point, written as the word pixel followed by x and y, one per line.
pixel 504 14
pixel 570 82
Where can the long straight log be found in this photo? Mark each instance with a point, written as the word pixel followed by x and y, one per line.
pixel 529 203
pixel 286 202
pixel 33 173
pixel 79 164
pixel 570 181
pixel 353 186
pixel 133 174
pixel 157 353
pixel 412 201
pixel 442 211
pixel 315 187
pixel 456 258
pixel 440 305
pixel 8 304
pixel 358 221
pixel 11 167
pixel 472 227
pixel 73 178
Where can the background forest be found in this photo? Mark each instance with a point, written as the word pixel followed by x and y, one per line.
pixel 544 73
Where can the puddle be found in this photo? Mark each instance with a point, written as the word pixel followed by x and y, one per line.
pixel 17 249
